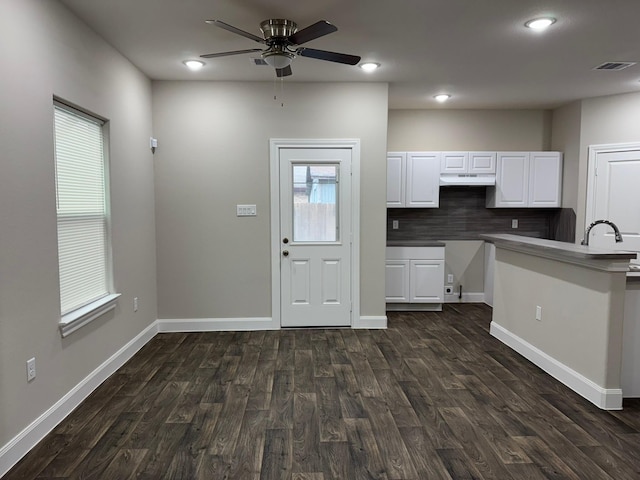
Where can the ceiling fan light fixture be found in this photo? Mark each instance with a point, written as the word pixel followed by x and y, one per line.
pixel 369 66
pixel 442 97
pixel 539 24
pixel 194 65
pixel 278 59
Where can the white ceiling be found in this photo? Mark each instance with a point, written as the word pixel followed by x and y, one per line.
pixel 477 50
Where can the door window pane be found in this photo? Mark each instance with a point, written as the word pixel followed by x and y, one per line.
pixel 315 200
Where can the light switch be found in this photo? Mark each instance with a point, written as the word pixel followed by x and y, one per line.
pixel 246 210
pixel 514 223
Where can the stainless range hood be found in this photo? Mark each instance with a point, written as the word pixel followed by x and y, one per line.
pixel 467 180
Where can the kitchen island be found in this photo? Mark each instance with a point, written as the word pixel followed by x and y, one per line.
pixel 561 306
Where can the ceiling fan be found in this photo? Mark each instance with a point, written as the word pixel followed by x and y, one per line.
pixel 282 39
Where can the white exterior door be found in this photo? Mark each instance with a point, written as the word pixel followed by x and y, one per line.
pixel 615 196
pixel 315 237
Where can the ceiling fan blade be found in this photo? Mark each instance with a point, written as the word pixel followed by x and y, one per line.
pixel 226 54
pixel 318 29
pixel 284 72
pixel 328 56
pixel 232 29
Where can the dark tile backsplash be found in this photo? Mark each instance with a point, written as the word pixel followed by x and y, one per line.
pixel 463 216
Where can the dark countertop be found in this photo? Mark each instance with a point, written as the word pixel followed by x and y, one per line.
pixel 563 248
pixel 588 256
pixel 415 243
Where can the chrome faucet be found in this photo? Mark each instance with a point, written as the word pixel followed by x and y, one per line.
pixel 618 236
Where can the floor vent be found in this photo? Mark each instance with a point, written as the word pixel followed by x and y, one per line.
pixel 614 66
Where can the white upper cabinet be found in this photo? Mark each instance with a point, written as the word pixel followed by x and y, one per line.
pixel 512 181
pixel 396 179
pixel 527 180
pixel 413 179
pixel 454 162
pixel 482 162
pixel 545 179
pixel 423 180
pixel 468 162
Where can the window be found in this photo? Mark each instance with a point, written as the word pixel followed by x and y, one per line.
pixel 82 214
pixel 315 217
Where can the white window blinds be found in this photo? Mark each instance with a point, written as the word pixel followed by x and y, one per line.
pixel 82 208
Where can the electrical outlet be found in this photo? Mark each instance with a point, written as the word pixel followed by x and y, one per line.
pixel 538 313
pixel 395 224
pixel 135 304
pixel 31 369
pixel 514 223
pixel 450 278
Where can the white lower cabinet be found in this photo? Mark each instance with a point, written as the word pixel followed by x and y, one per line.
pixel 426 281
pixel 397 281
pixel 414 278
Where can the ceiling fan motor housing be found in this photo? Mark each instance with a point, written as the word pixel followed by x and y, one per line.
pixel 277 29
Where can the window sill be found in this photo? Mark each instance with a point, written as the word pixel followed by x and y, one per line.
pixel 71 322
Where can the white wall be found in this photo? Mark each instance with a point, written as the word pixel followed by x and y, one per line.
pixel 416 130
pixel 566 138
pixel 214 153
pixel 45 51
pixel 612 119
pixel 581 312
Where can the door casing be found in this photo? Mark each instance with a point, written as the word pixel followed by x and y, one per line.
pixel 275 145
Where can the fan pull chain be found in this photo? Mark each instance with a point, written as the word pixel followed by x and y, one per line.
pixel 282 91
pixel 275 94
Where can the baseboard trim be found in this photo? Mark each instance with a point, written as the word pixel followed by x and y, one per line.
pixel 605 398
pixel 182 325
pixel 21 444
pixel 414 307
pixel 470 297
pixel 368 322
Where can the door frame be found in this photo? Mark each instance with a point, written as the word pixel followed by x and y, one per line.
pixel 594 150
pixel 275 144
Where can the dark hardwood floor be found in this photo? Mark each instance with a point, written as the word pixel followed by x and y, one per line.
pixel 433 397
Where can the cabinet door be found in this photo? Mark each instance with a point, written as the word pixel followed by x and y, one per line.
pixel 482 162
pixel 512 180
pixel 396 179
pixel 426 281
pixel 396 276
pixel 454 162
pixel 423 180
pixel 545 179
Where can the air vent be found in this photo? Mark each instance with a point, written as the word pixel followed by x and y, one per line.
pixel 614 66
pixel 259 61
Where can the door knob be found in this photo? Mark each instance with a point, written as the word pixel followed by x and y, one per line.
pixel 285 253
pixel 285 240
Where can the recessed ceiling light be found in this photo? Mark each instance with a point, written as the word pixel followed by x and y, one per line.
pixel 442 97
pixel 540 23
pixel 194 64
pixel 369 66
